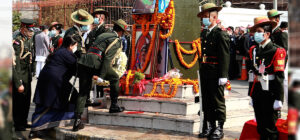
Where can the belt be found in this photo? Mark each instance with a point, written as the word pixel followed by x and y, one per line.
pixel 270 77
pixel 96 51
pixel 209 60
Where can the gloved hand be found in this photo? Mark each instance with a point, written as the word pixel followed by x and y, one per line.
pixel 99 80
pixel 222 81
pixel 277 105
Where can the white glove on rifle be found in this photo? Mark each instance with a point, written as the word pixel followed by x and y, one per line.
pixel 277 105
pixel 99 80
pixel 222 81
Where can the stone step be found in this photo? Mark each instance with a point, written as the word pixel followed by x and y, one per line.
pixel 174 105
pixel 179 123
pixel 160 105
pixel 104 132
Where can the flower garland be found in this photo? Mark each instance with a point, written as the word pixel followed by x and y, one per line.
pixel 129 75
pixel 196 46
pixel 147 29
pixel 133 46
pixel 168 21
pixel 173 86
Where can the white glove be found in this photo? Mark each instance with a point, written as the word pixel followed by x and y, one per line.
pixel 222 81
pixel 99 80
pixel 277 105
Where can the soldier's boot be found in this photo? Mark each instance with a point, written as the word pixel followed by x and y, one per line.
pixel 114 107
pixel 78 123
pixel 218 133
pixel 208 129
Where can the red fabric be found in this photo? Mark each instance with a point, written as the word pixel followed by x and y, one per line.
pixel 134 112
pixel 60 41
pixel 279 61
pixel 251 51
pixel 250 132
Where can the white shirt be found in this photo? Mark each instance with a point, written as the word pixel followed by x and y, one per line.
pixel 212 27
pixel 265 44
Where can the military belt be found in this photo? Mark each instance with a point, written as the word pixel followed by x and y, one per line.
pixel 96 51
pixel 209 60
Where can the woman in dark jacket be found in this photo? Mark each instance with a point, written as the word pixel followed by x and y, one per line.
pixel 55 34
pixel 53 106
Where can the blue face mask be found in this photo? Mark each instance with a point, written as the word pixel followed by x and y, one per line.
pixel 96 20
pixel 259 37
pixel 84 28
pixel 52 33
pixel 206 22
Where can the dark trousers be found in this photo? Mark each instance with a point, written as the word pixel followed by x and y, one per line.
pixel 266 116
pixel 213 101
pixel 21 105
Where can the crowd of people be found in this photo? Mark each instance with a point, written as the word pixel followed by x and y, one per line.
pixel 88 51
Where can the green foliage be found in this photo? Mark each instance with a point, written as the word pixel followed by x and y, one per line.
pixel 16 20
pixel 4 79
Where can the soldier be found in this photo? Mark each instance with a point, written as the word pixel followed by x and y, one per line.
pixel 98 61
pixel 22 74
pixel 56 38
pixel 99 23
pixel 82 19
pixel 214 65
pixel 278 36
pixel 266 78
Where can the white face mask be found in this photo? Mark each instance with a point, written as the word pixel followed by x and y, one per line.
pixel 74 49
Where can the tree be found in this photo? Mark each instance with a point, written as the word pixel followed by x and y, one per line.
pixel 16 20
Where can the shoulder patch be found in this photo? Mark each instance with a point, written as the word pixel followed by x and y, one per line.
pixel 279 61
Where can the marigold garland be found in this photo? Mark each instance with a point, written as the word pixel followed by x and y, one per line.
pixel 168 21
pixel 173 86
pixel 196 46
pixel 147 29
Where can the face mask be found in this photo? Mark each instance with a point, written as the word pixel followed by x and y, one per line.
pixel 52 33
pixel 84 28
pixel 206 22
pixel 96 20
pixel 74 49
pixel 259 37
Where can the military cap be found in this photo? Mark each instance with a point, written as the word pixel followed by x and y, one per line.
pixel 100 11
pixel 208 7
pixel 28 23
pixel 121 23
pixel 273 13
pixel 82 17
pixel 261 21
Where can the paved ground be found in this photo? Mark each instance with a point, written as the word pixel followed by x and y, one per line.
pixel 232 131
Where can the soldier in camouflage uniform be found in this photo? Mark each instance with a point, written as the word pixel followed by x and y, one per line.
pixel 214 65
pixel 97 61
pixel 22 74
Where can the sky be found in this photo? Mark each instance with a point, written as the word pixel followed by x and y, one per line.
pixel 5 28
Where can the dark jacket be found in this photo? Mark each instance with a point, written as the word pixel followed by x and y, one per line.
pixel 53 86
pixel 215 46
pixel 93 35
pixel 280 38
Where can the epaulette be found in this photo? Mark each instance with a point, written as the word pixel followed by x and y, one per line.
pixel 279 59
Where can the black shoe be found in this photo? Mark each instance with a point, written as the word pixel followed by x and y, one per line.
pixel 20 128
pixel 116 109
pixel 35 134
pixel 206 133
pixel 218 133
pixel 77 123
pixel 88 103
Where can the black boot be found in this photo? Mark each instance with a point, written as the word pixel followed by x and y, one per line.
pixel 36 134
pixel 218 133
pixel 114 107
pixel 207 129
pixel 77 123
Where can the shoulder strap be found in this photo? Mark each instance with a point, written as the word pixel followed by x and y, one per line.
pixel 111 44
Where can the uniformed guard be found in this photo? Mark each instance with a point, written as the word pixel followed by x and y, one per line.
pixel 22 74
pixel 266 78
pixel 99 22
pixel 56 38
pixel 278 36
pixel 214 65
pixel 98 61
pixel 82 19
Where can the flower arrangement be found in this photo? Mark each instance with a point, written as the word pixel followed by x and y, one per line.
pixel 168 20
